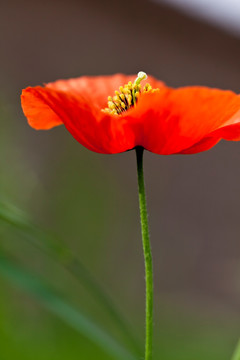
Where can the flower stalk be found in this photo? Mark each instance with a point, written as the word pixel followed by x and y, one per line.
pixel 147 255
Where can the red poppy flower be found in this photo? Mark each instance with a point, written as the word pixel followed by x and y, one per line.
pixel 186 120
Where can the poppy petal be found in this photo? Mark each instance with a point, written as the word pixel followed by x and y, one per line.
pixel 96 89
pixel 39 113
pixel 203 145
pixel 229 132
pixel 171 121
pixel 97 131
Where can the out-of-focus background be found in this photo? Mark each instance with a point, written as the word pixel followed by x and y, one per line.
pixel 90 200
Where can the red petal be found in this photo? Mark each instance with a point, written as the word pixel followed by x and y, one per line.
pixel 96 89
pixel 77 104
pixel 173 121
pixel 37 109
pixel 92 90
pixel 99 132
pixel 203 145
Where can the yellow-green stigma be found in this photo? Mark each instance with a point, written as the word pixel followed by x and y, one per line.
pixel 127 95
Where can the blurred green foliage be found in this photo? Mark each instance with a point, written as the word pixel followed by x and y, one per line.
pixel 236 355
pixel 56 304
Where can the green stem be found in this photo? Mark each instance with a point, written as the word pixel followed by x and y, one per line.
pixel 147 255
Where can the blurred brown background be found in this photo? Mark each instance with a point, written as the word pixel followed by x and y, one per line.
pixel 193 201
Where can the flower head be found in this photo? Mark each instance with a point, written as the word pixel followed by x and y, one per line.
pixel 113 114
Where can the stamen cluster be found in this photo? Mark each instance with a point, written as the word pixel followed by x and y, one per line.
pixel 126 97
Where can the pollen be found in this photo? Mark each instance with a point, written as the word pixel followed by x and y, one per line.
pixel 127 96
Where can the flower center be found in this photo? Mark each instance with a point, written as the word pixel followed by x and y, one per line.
pixel 128 95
